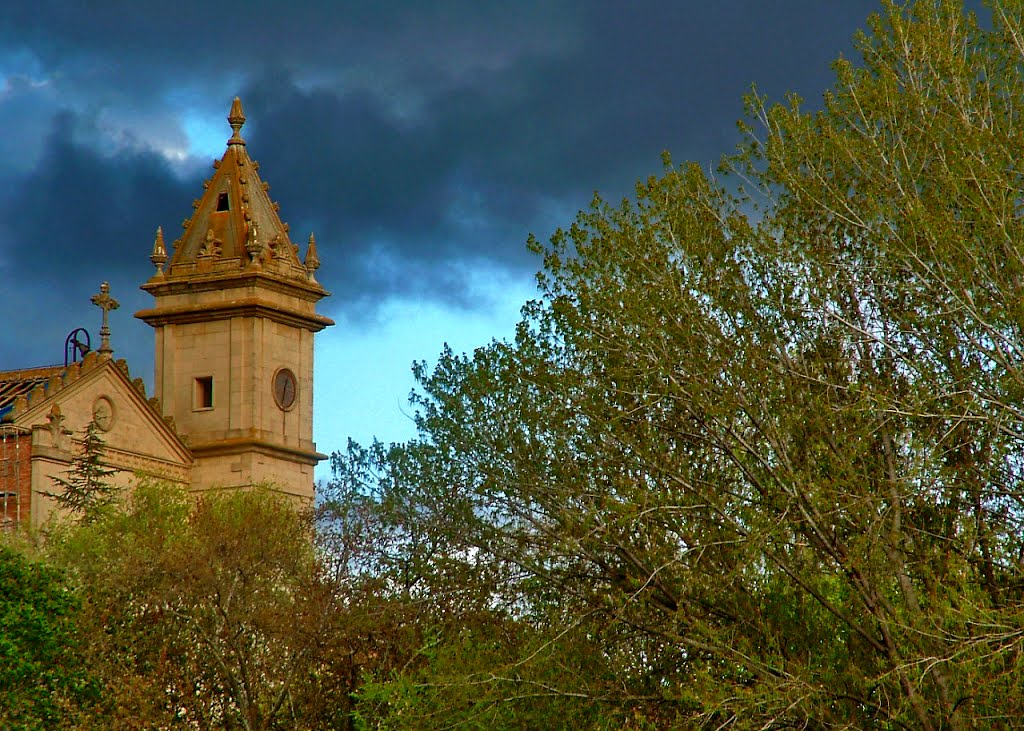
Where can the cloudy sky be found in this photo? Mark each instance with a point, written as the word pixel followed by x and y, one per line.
pixel 422 141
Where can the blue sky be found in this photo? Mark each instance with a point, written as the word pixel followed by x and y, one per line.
pixel 421 142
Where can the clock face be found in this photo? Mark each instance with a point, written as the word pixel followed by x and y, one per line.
pixel 285 388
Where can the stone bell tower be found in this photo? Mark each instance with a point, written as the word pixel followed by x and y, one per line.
pixel 234 315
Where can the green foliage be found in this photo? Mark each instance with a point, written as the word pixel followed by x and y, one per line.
pixel 768 464
pixel 85 491
pixel 43 684
pixel 208 612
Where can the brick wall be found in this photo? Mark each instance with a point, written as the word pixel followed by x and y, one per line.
pixel 15 478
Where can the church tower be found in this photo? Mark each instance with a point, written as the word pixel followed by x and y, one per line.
pixel 234 315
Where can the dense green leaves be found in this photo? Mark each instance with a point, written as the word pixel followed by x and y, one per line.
pixel 768 465
pixel 212 612
pixel 43 682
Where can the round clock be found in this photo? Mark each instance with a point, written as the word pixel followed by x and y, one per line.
pixel 285 388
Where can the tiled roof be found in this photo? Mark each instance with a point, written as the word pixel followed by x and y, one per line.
pixel 21 382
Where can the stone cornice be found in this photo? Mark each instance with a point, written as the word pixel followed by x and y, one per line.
pixel 52 454
pixel 121 460
pixel 247 307
pixel 220 281
pixel 153 466
pixel 241 445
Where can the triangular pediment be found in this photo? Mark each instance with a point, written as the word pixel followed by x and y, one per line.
pixel 137 438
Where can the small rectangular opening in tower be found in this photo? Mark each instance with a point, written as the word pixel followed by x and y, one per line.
pixel 222 202
pixel 204 393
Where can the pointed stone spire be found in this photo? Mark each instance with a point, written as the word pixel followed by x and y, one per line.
pixel 159 255
pixel 312 262
pixel 105 302
pixel 236 118
pixel 234 227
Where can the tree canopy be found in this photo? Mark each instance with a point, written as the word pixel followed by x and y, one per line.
pixel 753 456
pixel 208 612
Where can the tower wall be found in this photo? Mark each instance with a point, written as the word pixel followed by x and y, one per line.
pixel 240 356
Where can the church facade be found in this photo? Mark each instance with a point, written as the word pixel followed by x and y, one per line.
pixel 234 316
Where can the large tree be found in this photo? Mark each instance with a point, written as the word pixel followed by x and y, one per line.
pixel 758 441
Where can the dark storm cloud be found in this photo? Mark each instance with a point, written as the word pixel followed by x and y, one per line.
pixel 418 140
pixel 486 157
pixel 112 46
pixel 78 218
pixel 86 209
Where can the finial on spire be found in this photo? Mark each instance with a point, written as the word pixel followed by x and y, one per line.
pixel 253 245
pixel 312 262
pixel 159 255
pixel 236 118
pixel 105 302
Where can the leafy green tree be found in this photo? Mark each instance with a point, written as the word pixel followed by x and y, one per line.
pixel 212 612
pixel 758 441
pixel 85 490
pixel 43 682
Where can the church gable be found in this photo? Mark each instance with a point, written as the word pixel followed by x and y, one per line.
pixel 137 438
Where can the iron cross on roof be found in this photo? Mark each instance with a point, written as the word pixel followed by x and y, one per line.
pixel 105 302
